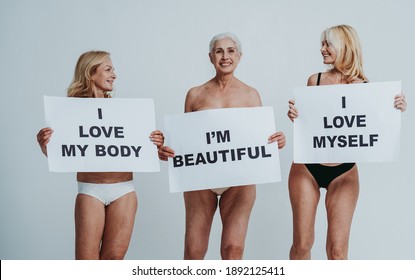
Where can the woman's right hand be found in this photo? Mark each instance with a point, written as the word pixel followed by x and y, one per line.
pixel 292 111
pixel 165 152
pixel 43 138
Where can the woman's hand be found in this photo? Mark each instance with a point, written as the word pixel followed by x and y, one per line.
pixel 292 111
pixel 400 102
pixel 157 138
pixel 278 137
pixel 43 138
pixel 165 152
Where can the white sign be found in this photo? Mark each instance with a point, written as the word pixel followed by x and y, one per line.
pixel 101 134
pixel 347 123
pixel 222 148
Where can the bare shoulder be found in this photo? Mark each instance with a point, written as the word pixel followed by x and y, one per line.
pixel 251 93
pixel 196 91
pixel 194 94
pixel 254 96
pixel 246 88
pixel 191 96
pixel 312 80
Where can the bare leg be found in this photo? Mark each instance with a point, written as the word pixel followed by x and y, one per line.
pixel 341 200
pixel 304 197
pixel 200 209
pixel 119 224
pixel 89 227
pixel 235 208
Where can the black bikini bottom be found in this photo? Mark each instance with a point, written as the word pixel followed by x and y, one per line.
pixel 324 175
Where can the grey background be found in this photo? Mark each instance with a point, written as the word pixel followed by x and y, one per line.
pixel 159 50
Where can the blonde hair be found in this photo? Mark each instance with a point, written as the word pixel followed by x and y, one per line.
pixel 82 84
pixel 345 42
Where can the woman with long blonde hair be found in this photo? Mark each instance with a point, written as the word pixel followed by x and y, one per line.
pixel 106 203
pixel 342 53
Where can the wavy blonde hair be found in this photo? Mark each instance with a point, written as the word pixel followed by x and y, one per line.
pixel 82 84
pixel 345 42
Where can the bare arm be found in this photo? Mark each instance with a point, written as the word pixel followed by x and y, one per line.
pixel 190 100
pixel 256 99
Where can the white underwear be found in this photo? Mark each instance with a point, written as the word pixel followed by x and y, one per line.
pixel 106 193
pixel 219 191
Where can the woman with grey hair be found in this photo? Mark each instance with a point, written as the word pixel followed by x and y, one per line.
pixel 235 202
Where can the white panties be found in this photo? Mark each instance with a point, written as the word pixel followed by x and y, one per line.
pixel 219 191
pixel 106 193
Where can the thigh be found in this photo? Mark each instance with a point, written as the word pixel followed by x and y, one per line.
pixel 341 200
pixel 235 209
pixel 119 224
pixel 89 226
pixel 304 198
pixel 200 209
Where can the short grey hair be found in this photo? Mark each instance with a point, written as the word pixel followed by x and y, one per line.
pixel 221 36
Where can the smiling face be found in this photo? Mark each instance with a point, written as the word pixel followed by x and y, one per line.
pixel 225 56
pixel 103 78
pixel 328 53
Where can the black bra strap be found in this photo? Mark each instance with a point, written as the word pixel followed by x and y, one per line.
pixel 318 78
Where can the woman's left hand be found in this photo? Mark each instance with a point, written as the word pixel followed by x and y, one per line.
pixel 400 102
pixel 158 138
pixel 278 137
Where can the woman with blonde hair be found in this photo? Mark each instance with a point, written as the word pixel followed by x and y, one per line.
pixel 106 203
pixel 341 51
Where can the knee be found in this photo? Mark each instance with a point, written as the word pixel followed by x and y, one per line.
pixel 193 252
pixel 336 253
pixel 113 254
pixel 301 250
pixel 112 257
pixel 232 252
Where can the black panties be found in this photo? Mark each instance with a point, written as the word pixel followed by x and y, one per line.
pixel 324 175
